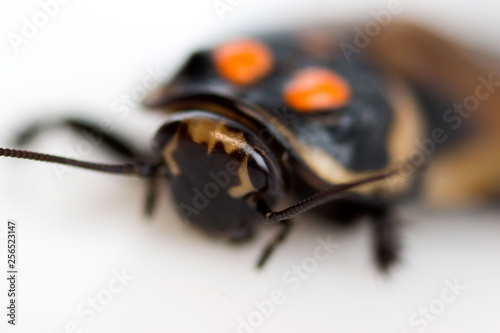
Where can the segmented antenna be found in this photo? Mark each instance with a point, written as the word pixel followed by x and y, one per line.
pixel 138 169
pixel 319 199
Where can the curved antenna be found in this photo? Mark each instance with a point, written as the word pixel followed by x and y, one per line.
pixel 318 199
pixel 137 169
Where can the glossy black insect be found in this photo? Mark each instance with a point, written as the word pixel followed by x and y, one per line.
pixel 255 119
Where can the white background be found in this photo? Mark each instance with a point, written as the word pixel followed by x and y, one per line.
pixel 74 233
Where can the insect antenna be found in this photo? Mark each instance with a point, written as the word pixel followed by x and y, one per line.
pixel 318 199
pixel 137 169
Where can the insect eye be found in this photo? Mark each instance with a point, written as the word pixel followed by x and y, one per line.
pixel 258 172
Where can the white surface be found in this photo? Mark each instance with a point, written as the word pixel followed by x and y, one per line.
pixel 74 233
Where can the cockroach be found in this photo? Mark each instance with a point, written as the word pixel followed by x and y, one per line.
pixel 347 129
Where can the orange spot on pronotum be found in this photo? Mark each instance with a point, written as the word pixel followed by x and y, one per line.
pixel 243 62
pixel 316 89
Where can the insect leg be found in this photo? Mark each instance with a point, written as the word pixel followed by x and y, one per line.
pixel 151 195
pixel 114 142
pixel 386 238
pixel 285 228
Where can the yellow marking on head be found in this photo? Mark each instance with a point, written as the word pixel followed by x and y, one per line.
pixel 168 152
pixel 245 187
pixel 210 132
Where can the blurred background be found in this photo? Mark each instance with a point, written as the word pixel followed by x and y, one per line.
pixel 90 262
